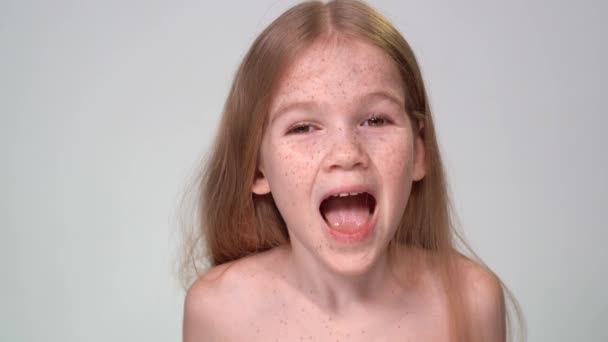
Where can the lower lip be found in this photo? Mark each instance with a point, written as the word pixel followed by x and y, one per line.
pixel 355 236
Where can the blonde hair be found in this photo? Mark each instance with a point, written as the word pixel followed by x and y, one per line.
pixel 232 222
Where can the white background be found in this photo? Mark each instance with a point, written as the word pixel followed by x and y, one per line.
pixel 106 106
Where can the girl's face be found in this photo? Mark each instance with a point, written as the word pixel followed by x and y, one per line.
pixel 337 125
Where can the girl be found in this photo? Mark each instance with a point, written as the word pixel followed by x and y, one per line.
pixel 323 205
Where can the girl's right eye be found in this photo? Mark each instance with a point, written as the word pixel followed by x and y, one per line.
pixel 300 129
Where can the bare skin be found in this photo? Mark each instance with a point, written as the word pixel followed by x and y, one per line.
pixel 259 298
pixel 337 123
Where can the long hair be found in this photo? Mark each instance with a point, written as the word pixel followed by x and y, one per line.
pixel 232 222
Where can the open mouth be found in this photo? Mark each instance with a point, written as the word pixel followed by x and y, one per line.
pixel 348 212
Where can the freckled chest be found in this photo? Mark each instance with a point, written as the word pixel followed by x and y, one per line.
pixel 278 317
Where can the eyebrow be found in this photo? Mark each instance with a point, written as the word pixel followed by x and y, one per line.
pixel 284 108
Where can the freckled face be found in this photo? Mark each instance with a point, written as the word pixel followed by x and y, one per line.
pixel 336 121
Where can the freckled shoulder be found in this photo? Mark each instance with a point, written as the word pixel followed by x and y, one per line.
pixel 484 300
pixel 205 307
pixel 224 296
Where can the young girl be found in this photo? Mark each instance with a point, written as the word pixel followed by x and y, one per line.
pixel 323 205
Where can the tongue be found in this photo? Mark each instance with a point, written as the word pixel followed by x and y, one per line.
pixel 346 214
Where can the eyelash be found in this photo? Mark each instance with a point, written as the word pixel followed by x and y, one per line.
pixel 294 129
pixel 385 119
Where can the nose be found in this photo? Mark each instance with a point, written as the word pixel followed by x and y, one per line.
pixel 346 152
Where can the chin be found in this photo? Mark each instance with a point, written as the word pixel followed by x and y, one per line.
pixel 359 252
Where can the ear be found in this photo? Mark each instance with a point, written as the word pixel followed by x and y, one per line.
pixel 419 153
pixel 260 184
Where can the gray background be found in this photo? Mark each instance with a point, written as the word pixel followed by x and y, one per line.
pixel 106 106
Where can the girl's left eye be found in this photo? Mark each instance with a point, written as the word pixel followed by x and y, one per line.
pixel 301 129
pixel 376 120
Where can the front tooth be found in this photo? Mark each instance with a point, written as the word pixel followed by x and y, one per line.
pixel 344 194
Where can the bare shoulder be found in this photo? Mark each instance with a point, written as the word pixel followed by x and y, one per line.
pixel 202 305
pixel 484 300
pixel 222 296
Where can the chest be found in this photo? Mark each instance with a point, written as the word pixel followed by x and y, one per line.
pixel 296 320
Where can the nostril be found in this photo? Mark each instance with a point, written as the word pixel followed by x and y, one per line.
pixel 347 156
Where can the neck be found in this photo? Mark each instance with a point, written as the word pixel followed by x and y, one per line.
pixel 336 293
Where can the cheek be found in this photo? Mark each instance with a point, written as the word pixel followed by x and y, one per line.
pixel 290 168
pixel 392 155
pixel 293 164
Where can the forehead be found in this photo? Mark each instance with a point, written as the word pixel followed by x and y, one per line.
pixel 338 70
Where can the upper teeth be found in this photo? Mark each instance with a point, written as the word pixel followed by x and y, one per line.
pixel 344 194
